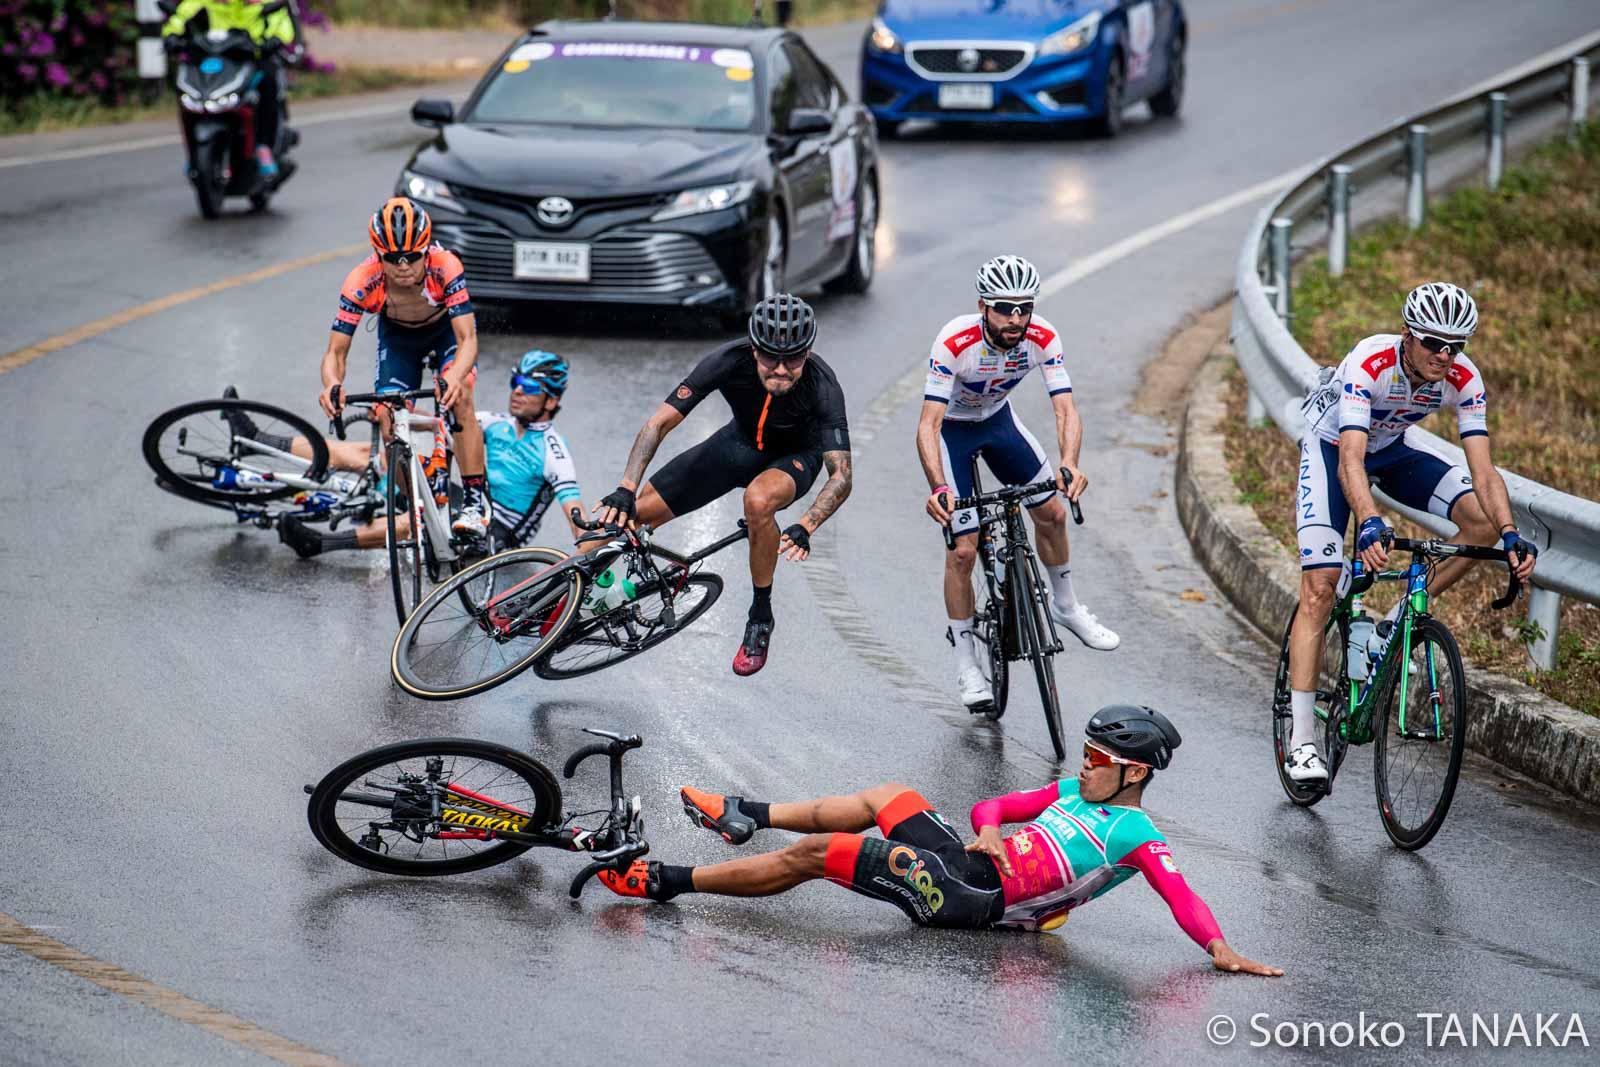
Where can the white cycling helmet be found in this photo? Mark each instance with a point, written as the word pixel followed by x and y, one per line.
pixel 1008 277
pixel 1440 309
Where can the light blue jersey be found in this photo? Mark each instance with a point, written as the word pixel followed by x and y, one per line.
pixel 527 470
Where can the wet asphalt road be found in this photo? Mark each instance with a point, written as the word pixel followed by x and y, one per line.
pixel 172 682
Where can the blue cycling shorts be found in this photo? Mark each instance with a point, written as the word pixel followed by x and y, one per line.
pixel 403 352
pixel 1007 448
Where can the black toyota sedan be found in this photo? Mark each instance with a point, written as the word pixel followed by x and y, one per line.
pixel 652 163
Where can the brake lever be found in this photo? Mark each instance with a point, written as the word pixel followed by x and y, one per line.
pixel 336 424
pixel 1077 512
pixel 949 538
pixel 1513 584
pixel 450 419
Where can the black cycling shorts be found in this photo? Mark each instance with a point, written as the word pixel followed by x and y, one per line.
pixel 920 866
pixel 723 462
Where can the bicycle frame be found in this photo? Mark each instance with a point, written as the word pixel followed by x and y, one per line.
pixel 350 486
pixel 427 514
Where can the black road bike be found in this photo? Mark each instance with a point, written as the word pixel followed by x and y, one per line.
pixel 1014 623
pixel 449 805
pixel 563 617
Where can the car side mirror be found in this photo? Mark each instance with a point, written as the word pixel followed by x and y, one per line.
pixel 809 121
pixel 435 113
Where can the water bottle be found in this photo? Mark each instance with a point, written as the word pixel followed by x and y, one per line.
pixel 318 500
pixel 608 591
pixel 232 478
pixel 1356 661
pixel 437 471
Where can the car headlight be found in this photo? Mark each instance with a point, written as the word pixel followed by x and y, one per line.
pixel 428 190
pixel 882 38
pixel 706 198
pixel 1075 38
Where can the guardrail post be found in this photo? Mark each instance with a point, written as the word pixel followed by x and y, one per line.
pixel 1544 608
pixel 1281 230
pixel 1496 126
pixel 1255 409
pixel 1338 217
pixel 1417 181
pixel 1580 98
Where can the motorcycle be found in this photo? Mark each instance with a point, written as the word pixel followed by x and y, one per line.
pixel 218 80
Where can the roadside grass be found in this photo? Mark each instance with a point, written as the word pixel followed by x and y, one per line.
pixel 1530 255
pixel 46 114
pixel 515 15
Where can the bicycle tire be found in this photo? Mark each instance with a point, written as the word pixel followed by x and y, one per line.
pixel 1032 633
pixel 1427 634
pixel 1301 793
pixel 411 662
pixel 405 557
pixel 567 657
pixel 196 484
pixel 992 635
pixel 335 810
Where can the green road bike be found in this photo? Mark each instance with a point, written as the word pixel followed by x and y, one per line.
pixel 1404 692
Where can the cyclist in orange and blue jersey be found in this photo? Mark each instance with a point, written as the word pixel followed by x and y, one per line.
pixel 418 291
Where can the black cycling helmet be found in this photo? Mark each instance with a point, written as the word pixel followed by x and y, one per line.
pixel 783 325
pixel 1136 733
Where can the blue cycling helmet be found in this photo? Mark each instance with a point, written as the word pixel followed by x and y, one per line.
pixel 547 367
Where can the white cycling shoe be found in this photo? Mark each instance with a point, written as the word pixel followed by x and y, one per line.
pixel 1085 627
pixel 975 692
pixel 1305 764
pixel 472 520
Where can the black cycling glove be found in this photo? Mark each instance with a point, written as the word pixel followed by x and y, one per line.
pixel 622 499
pixel 798 536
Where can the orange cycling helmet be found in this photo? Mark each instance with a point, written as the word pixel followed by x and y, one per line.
pixel 400 226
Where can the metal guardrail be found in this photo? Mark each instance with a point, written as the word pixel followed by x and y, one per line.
pixel 1566 528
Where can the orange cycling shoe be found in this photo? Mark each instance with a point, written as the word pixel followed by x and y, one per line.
pixel 642 880
pixel 717 813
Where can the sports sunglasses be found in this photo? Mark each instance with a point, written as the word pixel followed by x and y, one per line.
pixel 532 386
pixel 1099 757
pixel 402 259
pixel 1008 308
pixel 1437 345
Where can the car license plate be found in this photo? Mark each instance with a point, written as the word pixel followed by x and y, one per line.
pixel 552 261
pixel 967 96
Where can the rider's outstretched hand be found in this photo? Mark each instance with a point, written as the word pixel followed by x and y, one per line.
pixel 1521 565
pixel 990 844
pixel 939 505
pixel 620 507
pixel 1224 958
pixel 1071 481
pixel 796 543
pixel 451 389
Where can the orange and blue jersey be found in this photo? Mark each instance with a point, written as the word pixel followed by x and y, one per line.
pixel 366 290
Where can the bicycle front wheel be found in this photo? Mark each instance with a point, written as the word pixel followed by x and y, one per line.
pixel 598 641
pixel 1029 600
pixel 992 659
pixel 206 451
pixel 404 533
pixel 431 807
pixel 486 624
pixel 1304 794
pixel 1417 760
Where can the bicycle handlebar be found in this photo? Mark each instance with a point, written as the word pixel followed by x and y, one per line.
pixel 1004 495
pixel 1442 549
pixel 341 398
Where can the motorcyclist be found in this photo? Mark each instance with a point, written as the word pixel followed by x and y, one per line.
pixel 274 35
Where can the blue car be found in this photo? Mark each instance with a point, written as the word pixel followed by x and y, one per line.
pixel 1022 61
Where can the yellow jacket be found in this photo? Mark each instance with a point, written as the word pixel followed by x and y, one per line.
pixel 234 15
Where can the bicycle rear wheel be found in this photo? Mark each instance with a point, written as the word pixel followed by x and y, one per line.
pixel 456 645
pixel 377 810
pixel 1029 601
pixel 196 450
pixel 598 641
pixel 1417 762
pixel 404 537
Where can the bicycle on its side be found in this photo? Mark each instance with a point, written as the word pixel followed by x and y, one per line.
pixel 199 453
pixel 420 536
pixel 1401 688
pixel 564 616
pixel 1014 623
pixel 449 805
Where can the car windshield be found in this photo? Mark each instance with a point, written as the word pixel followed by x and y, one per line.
pixel 619 83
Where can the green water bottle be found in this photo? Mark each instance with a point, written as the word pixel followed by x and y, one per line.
pixel 608 591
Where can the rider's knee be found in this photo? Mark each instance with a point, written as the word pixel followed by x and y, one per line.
pixel 1050 513
pixel 1317 590
pixel 760 504
pixel 964 555
pixel 810 853
pixel 1475 525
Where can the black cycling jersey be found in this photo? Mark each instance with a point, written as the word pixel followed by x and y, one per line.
pixel 810 416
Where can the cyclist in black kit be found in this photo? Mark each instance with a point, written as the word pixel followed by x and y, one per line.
pixel 788 423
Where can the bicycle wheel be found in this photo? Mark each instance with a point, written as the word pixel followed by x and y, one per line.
pixel 454 646
pixel 1029 600
pixel 596 642
pixel 199 449
pixel 1416 762
pixel 1304 794
pixel 404 537
pixel 377 810
pixel 992 657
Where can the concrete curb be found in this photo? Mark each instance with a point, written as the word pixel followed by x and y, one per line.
pixel 1508 722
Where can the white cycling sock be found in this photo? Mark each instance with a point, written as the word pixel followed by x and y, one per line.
pixel 966 644
pixel 1061 587
pixel 1303 706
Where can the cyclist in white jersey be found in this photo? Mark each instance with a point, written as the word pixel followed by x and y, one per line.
pixel 975 363
pixel 1357 421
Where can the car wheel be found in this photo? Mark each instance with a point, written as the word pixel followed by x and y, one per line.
pixel 1110 123
pixel 857 276
pixel 772 266
pixel 1167 102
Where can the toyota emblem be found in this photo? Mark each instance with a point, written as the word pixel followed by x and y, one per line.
pixel 554 211
pixel 967 59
